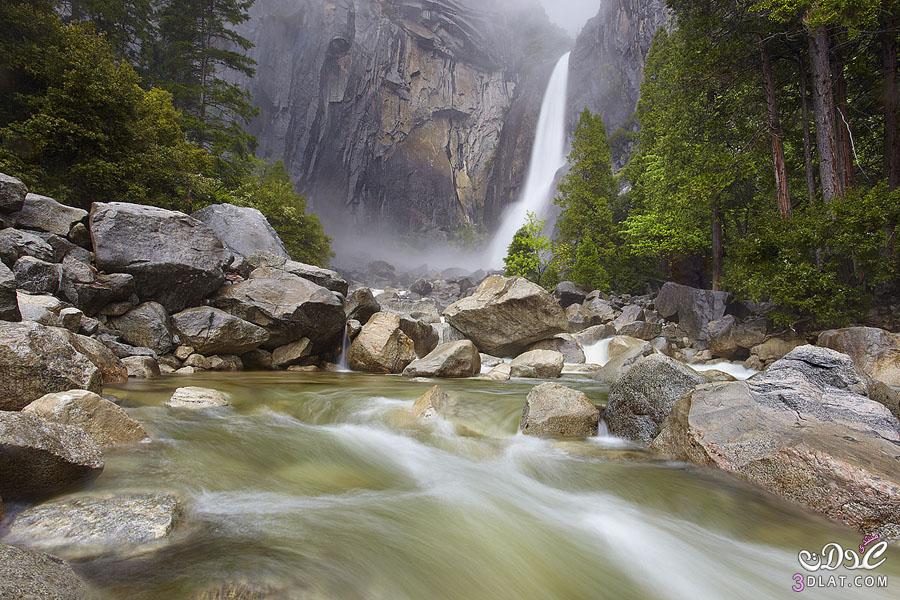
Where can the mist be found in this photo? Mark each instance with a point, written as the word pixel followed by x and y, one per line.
pixel 571 15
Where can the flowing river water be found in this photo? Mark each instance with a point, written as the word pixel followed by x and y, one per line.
pixel 323 485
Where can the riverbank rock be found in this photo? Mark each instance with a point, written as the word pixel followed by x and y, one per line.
pixel 213 331
pixel 565 344
pixel 594 334
pixel 243 230
pixel 216 362
pixel 9 304
pixel 623 352
pixel 501 372
pixel 424 337
pixel 733 340
pixel 555 411
pixel 46 214
pixel 175 260
pixel 112 370
pixel 39 458
pixel 291 354
pixel 538 364
pixel 775 347
pixel 197 398
pixel 875 352
pixel 453 359
pixel 141 367
pixel 84 526
pixel 803 430
pixel 146 326
pixel 29 575
pixel 692 308
pixel 568 293
pixel 36 360
pixel 381 346
pixel 640 402
pixel 433 403
pixel 361 305
pixel 12 194
pixel 505 315
pixel 37 276
pixel 14 244
pixel 107 423
pixel 287 306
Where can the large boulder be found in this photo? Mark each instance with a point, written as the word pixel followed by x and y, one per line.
pixel 111 368
pixel 36 360
pixel 622 353
pixel 39 458
pixel 381 346
pixel 91 291
pixel 175 259
pixel 213 331
pixel 84 526
pixel 46 214
pixel 453 359
pixel 729 338
pixel 568 293
pixel 555 411
pixel 640 402
pixel 243 230
pixel 326 278
pixel 538 364
pixel 14 244
pixel 804 430
pixel 12 194
pixel 875 352
pixel 565 344
pixel 505 315
pixel 29 575
pixel 196 398
pixel 9 305
pixel 107 423
pixel 425 337
pixel 287 306
pixel 361 305
pixel 146 326
pixel 37 276
pixel 692 308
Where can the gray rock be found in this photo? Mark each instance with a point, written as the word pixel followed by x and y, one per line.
pixel 216 362
pixel 39 458
pixel 197 398
pixel 46 214
pixel 291 354
pixel 565 344
pixel 568 293
pixel 361 305
pixel 629 314
pixel 108 424
pixel 424 336
pixel 433 403
pixel 141 367
pixel 213 331
pixel 121 350
pixel 111 368
pixel 731 339
pixel 12 194
pixel 37 276
pixel 381 346
pixel 538 364
pixel 63 248
pixel 875 352
pixel 640 402
pixel 594 334
pixel 501 372
pixel 91 291
pixel 623 353
pixel 175 260
pixel 9 304
pixel 244 231
pixel 453 359
pixel 641 330
pixel 29 575
pixel 555 411
pixel 40 308
pixel 694 308
pixel 14 244
pixel 147 326
pixel 70 318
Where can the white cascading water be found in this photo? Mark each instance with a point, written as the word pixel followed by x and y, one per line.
pixel 548 156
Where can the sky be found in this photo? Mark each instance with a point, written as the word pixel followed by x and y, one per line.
pixel 571 14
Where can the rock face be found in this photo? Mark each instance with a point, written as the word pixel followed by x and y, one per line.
pixel 29 575
pixel 196 398
pixel 213 331
pixel 538 364
pixel 381 346
pixel 803 430
pixel 108 424
pixel 694 308
pixel 505 315
pixel 146 326
pixel 86 526
pixel 46 214
pixel 555 411
pixel 9 305
pixel 395 110
pixel 36 360
pixel 875 352
pixel 244 231
pixel 640 402
pixel 39 458
pixel 453 359
pixel 175 259
pixel 12 194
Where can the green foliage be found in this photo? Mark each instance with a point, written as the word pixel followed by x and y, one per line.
pixel 530 254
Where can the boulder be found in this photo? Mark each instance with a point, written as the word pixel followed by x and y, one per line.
pixel 775 347
pixel 46 214
pixel 361 305
pixel 213 331
pixel 555 411
pixel 12 194
pixel 287 306
pixel 291 354
pixel 597 311
pixel 70 318
pixel 40 308
pixel 433 403
pixel 501 372
pixel 86 526
pixel 568 293
pixel 875 352
pixel 9 304
pixel 121 350
pixel 141 367
pixel 538 364
pixel 91 291
pixel 36 360
pixel 565 344
pixel 243 230
pixel 39 458
pixel 147 326
pixel 733 340
pixel 326 278
pixel 453 359
pixel 175 260
pixel 505 315
pixel 622 353
pixel 692 308
pixel 197 398
pixel 629 314
pixel 425 338
pixel 216 362
pixel 14 244
pixel 640 402
pixel 111 368
pixel 594 334
pixel 37 276
pixel 381 346
pixel 803 430
pixel 641 330
pixel 108 424
pixel 422 287
pixel 62 247
pixel 29 575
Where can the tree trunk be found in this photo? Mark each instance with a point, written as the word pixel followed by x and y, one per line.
pixel 823 105
pixel 718 248
pixel 891 105
pixel 842 123
pixel 807 137
pixel 775 132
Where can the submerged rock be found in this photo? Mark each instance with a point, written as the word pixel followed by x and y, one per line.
pixel 433 403
pixel 29 575
pixel 197 398
pixel 538 364
pixel 453 359
pixel 107 423
pixel 381 346
pixel 555 411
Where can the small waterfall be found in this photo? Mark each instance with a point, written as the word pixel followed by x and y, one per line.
pixel 548 156
pixel 343 364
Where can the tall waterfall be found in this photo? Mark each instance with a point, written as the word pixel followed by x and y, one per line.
pixel 547 158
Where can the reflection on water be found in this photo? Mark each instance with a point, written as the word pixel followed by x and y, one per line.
pixel 323 486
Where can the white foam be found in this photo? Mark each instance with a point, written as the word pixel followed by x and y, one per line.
pixel 739 372
pixel 598 352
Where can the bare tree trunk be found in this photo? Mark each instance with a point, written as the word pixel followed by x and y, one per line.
pixel 718 247
pixel 888 36
pixel 807 137
pixel 775 132
pixel 842 123
pixel 823 105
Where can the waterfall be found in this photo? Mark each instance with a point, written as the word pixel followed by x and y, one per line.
pixel 547 158
pixel 343 364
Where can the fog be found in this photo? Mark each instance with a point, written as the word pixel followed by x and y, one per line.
pixel 571 15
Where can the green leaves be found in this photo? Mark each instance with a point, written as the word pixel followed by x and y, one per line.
pixel 530 254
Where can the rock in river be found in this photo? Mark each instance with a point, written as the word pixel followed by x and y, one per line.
pixel 29 575
pixel 453 359
pixel 197 397
pixel 538 364
pixel 107 423
pixel 555 411
pixel 381 346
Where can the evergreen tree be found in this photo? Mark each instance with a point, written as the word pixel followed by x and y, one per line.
pixel 530 254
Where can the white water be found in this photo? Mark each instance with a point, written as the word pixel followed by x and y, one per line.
pixel 598 352
pixel 739 372
pixel 547 158
pixel 343 363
